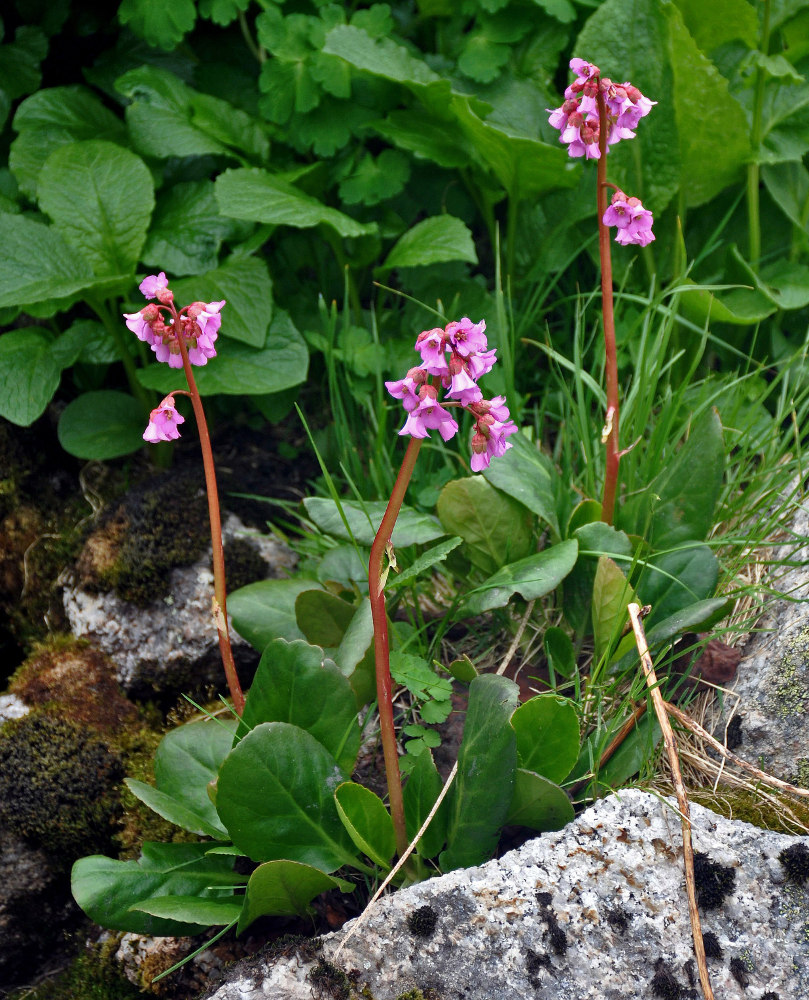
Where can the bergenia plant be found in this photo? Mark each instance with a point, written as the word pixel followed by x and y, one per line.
pixel 452 361
pixel 597 114
pixel 182 338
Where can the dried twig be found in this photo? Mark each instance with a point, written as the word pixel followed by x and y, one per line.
pixel 685 815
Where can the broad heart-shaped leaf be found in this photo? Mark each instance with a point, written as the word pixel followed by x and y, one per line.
pixel 259 196
pixel 51 118
pixel 740 307
pixel 275 795
pixel 36 264
pixel 285 889
pixel 191 909
pixel 295 684
pixel 167 118
pixel 265 610
pixel 188 758
pixel 547 729
pixel 432 241
pixel 175 812
pixel 239 369
pixel 107 890
pixel 559 651
pixel 29 375
pixel 532 577
pixel 367 820
pixel 525 167
pixel 245 285
pixel 676 580
pixel 496 529
pixel 101 425
pixel 689 487
pixel 487 765
pixel 527 475
pixel 187 234
pixel 412 528
pixel 323 617
pixel 538 803
pixel 611 595
pixel 422 789
pixel 100 198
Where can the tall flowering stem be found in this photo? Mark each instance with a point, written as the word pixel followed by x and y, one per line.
pixel 608 313
pixel 384 684
pixel 182 338
pixel 220 611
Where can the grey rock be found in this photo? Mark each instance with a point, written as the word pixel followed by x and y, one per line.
pixel 12 707
pixel 772 682
pixel 172 645
pixel 582 914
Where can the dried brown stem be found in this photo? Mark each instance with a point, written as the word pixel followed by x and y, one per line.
pixel 685 813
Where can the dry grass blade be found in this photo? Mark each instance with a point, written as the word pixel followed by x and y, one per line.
pixel 682 799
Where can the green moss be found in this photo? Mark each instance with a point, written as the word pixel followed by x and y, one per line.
pixel 749 807
pixel 791 694
pixel 802 775
pixel 58 785
pixel 243 564
pixel 93 975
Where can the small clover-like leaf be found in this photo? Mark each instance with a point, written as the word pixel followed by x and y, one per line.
pixel 376 178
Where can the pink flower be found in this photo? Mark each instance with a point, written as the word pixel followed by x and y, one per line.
pixel 467 337
pixel 430 415
pixel 153 284
pixel 431 345
pixel 140 323
pixel 163 422
pixel 160 326
pixel 489 441
pixel 632 220
pixel 407 389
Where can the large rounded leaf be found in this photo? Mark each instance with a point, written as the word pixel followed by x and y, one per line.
pixel 275 795
pixel 538 803
pixel 547 729
pixel 284 889
pixel 367 820
pixel 102 425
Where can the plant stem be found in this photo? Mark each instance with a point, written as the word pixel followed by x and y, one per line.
pixel 376 593
pixel 220 611
pixel 610 352
pixel 754 167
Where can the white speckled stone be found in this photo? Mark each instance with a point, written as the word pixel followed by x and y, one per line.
pixel 491 939
pixel 173 643
pixel 12 707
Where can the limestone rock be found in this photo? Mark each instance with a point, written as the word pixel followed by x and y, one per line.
pixel 12 707
pixel 593 912
pixel 773 677
pixel 172 644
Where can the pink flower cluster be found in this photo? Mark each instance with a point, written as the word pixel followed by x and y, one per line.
pixel 634 222
pixel 578 120
pixel 454 359
pixel 198 324
pixel 163 422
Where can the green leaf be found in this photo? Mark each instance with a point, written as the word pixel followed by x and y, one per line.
pixel 375 179
pixel 559 651
pixel 29 375
pixel 36 264
pixel 788 186
pixel 630 757
pixel 427 138
pixel 367 820
pixel 275 795
pixel 107 890
pixel 433 556
pixel 379 56
pixel 531 577
pixel 487 763
pixel 259 196
pixel 265 610
pixel 192 909
pixel 245 284
pixel 495 528
pixel 187 234
pixel 595 539
pixel 356 640
pixel 161 23
pixel 168 118
pixel 741 307
pixel 422 789
pixel 101 425
pixel 547 729
pixel 433 692
pixel 238 368
pixel 323 617
pixel 284 889
pixel 175 812
pixel 100 198
pixel 689 487
pixel 295 684
pixel 526 475
pixel 52 118
pixel 698 617
pixel 723 21
pixel 412 528
pixel 188 759
pixel 611 595
pixel 538 803
pixel 675 580
pixel 786 283
pixel 433 241
pixel 342 565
